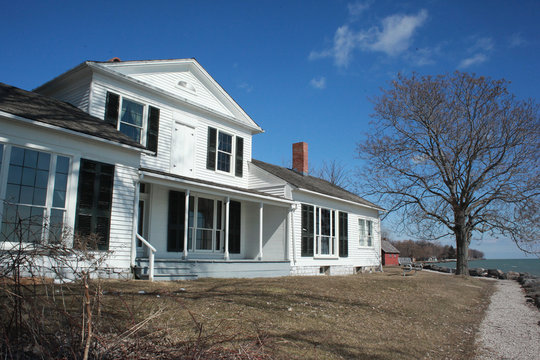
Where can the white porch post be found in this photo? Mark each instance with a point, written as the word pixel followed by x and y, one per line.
pixel 226 242
pixel 135 222
pixel 288 247
pixel 186 217
pixel 336 239
pixel 292 210
pixel 261 205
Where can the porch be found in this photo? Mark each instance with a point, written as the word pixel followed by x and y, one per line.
pixel 173 269
pixel 193 229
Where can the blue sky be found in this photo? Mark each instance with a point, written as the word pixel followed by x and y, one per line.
pixel 303 70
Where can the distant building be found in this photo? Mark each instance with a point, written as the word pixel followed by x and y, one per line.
pixel 390 254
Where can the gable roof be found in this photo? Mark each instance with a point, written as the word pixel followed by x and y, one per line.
pixel 48 110
pixel 388 248
pixel 311 183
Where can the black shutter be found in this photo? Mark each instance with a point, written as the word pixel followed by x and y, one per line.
pixel 94 201
pixel 343 234
pixel 234 227
pixel 307 230
pixel 239 169
pixel 211 152
pixel 152 129
pixel 111 108
pixel 175 230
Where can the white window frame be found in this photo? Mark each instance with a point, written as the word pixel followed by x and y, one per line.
pixel 192 242
pixel 317 236
pixel 48 207
pixel 231 155
pixel 365 232
pixel 144 126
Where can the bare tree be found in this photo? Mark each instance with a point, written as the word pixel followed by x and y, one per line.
pixel 454 155
pixel 334 172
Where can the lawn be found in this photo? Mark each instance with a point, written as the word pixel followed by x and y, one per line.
pixel 364 316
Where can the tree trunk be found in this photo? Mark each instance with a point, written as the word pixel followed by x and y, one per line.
pixel 462 252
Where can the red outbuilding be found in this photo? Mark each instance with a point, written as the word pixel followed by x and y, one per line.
pixel 390 254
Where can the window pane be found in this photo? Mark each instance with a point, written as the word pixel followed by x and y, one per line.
pixel 42 178
pixel 56 222
pixel 131 131
pixel 62 165
pixel 225 142
pixel 204 239
pixel 40 195
pixel 27 194
pixel 132 113
pixel 44 161
pixel 17 156
pixel 12 193
pixel 325 222
pixel 30 158
pixel 325 245
pixel 59 199
pixel 224 162
pixel 28 177
pixel 205 213
pixel 15 174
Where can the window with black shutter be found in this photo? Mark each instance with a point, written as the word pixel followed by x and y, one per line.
pixel 239 169
pixel 211 149
pixel 234 227
pixel 175 230
pixel 152 129
pixel 343 234
pixel 94 201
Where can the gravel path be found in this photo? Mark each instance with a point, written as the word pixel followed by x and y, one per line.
pixel 511 328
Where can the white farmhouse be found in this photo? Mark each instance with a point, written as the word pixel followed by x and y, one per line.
pixel 154 157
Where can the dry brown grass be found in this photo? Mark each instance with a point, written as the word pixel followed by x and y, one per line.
pixel 371 316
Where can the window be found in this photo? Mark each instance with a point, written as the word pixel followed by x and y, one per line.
pixel 205 224
pixel 343 234
pixel 318 231
pixel 94 201
pixel 365 231
pixel 35 201
pixel 220 152
pixel 132 118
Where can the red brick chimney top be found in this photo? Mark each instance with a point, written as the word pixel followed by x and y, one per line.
pixel 300 157
pixel 114 59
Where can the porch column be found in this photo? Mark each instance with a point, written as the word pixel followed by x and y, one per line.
pixel 288 247
pixel 292 210
pixel 226 242
pixel 336 232
pixel 186 217
pixel 261 231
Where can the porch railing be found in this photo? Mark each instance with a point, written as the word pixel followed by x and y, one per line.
pixel 150 257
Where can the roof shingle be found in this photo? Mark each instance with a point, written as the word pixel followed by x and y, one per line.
pixel 312 183
pixel 48 110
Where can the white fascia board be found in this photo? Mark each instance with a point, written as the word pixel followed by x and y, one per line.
pixel 214 188
pixel 340 199
pixel 67 74
pixel 109 71
pixel 72 132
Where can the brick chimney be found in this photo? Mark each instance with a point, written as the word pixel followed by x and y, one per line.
pixel 300 157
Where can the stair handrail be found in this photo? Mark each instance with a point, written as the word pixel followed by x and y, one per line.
pixel 150 257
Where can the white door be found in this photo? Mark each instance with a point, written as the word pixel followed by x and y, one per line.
pixel 183 148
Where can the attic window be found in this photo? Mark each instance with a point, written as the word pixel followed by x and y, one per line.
pixel 186 86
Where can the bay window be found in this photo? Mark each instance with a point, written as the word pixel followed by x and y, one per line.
pixel 35 199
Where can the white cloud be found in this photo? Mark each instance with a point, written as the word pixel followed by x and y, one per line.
pixel 318 83
pixel 515 40
pixel 358 7
pixel 484 44
pixel 246 87
pixel 392 37
pixel 473 60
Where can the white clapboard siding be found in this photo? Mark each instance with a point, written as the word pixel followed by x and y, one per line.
pixel 169 82
pixel 358 255
pixel 75 92
pixel 161 162
pixel 122 213
pixel 263 181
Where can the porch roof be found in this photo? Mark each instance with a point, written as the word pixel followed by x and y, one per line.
pixel 215 186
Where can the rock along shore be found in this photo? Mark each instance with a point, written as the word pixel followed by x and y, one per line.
pixel 530 283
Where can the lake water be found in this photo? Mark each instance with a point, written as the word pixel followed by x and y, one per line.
pixel 532 266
